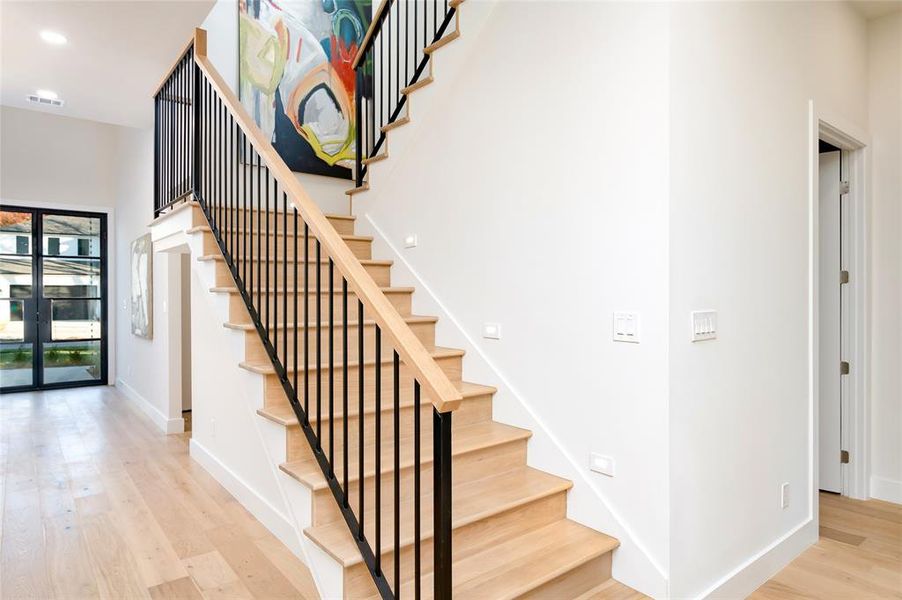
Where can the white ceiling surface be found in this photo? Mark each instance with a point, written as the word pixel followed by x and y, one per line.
pixel 874 9
pixel 117 53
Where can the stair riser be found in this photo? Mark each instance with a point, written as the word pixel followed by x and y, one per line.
pixel 253 350
pixel 274 394
pixel 381 274
pixel 469 466
pixel 230 220
pixel 576 581
pixel 465 541
pixel 255 245
pixel 297 444
pixel 238 311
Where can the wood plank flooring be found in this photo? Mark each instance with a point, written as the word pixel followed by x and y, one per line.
pixel 858 556
pixel 95 502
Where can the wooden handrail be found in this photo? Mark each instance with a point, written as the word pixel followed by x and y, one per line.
pixel 445 396
pixel 369 32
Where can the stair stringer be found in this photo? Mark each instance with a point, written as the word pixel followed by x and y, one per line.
pixel 223 391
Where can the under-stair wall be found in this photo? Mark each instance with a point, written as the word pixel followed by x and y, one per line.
pixel 585 227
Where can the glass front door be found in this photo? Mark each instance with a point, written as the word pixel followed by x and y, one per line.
pixel 53 309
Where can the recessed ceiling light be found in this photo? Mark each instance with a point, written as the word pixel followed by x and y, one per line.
pixel 47 94
pixel 54 38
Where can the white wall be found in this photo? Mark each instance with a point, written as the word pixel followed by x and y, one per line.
pixel 885 119
pixel 742 75
pixel 143 371
pixel 537 184
pixel 54 161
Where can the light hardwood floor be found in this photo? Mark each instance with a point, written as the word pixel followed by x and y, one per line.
pixel 858 556
pixel 97 503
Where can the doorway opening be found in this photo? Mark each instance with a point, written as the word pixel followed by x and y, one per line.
pixel 53 299
pixel 839 290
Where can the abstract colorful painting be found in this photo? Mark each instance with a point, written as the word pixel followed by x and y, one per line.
pixel 296 79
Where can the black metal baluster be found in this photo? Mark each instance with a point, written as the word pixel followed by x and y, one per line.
pixel 331 370
pixel 360 425
pixel 284 281
pixel 249 211
pixel 294 288
pixel 260 265
pixel 416 488
pixel 319 357
pixel 275 270
pixel 378 443
pixel 397 479
pixel 441 468
pixel 344 383
pixel 306 322
pixel 266 322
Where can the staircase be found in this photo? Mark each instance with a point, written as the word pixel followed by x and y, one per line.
pixel 355 379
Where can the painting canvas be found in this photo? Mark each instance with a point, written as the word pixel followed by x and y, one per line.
pixel 142 287
pixel 296 77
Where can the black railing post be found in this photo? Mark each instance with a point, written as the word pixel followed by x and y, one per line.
pixel 441 467
pixel 195 145
pixel 156 155
pixel 358 120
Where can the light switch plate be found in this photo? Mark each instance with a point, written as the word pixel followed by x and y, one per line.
pixel 626 327
pixel 784 495
pixel 410 241
pixel 491 331
pixel 601 464
pixel 704 325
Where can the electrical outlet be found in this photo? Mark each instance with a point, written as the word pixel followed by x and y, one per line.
pixel 784 495
pixel 410 241
pixel 601 464
pixel 213 427
pixel 491 331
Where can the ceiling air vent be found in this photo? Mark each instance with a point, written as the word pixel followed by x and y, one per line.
pixel 44 101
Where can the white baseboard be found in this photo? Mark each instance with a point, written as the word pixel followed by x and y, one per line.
pixel 273 519
pixel 886 489
pixel 165 424
pixel 754 572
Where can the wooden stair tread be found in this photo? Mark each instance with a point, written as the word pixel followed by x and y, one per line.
pixel 231 289
pixel 463 440
pixel 284 415
pixel 265 367
pixel 472 501
pixel 358 190
pixel 417 85
pixel 325 324
pixel 241 230
pixel 300 260
pixel 450 37
pixel 522 564
pixel 395 124
pixel 377 158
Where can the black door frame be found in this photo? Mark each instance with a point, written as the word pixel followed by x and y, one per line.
pixel 40 324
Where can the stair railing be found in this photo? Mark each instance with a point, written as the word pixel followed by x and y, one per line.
pixel 391 60
pixel 269 232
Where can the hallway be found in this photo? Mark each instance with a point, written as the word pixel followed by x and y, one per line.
pixel 96 502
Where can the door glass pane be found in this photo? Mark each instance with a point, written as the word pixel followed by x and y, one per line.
pixel 71 361
pixel 15 276
pixel 71 278
pixel 12 320
pixel 15 232
pixel 16 361
pixel 74 319
pixel 66 235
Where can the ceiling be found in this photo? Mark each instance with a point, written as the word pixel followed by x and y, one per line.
pixel 116 54
pixel 873 9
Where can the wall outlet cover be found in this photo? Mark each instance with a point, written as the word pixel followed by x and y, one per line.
pixel 601 464
pixel 491 331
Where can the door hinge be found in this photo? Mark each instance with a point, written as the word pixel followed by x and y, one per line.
pixel 843 277
pixel 844 457
pixel 844 187
pixel 844 367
